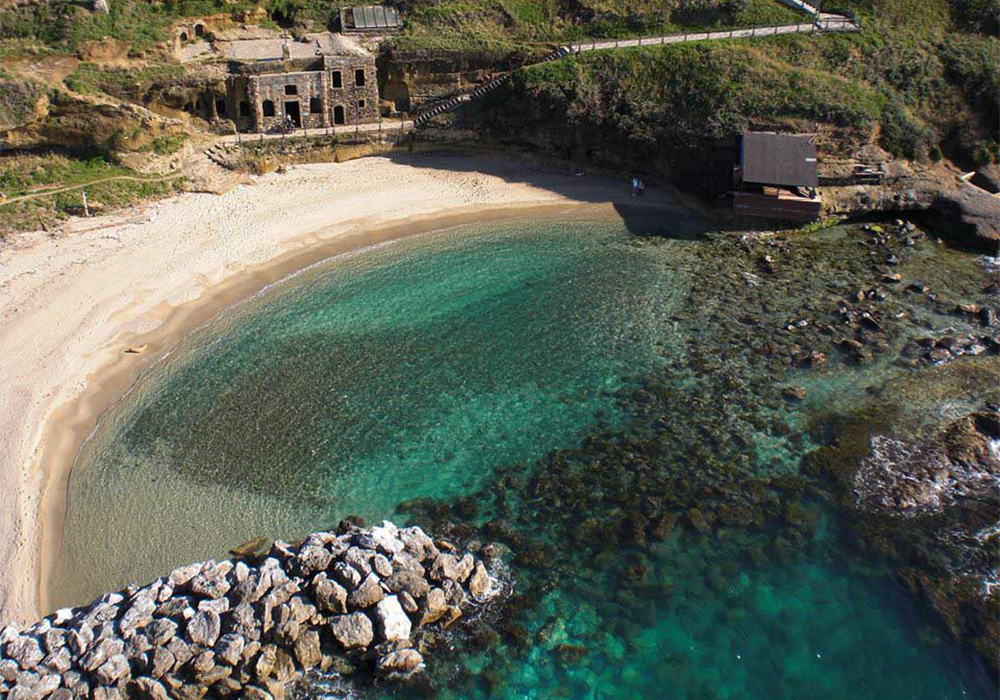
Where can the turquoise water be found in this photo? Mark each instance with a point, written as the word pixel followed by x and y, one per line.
pixel 571 389
pixel 411 370
pixel 731 619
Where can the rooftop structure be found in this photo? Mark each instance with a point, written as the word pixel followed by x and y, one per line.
pixel 370 18
pixel 776 176
pixel 276 48
pixel 787 160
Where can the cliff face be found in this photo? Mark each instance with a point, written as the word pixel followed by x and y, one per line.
pixel 21 102
pixel 59 119
pixel 411 79
pixel 673 111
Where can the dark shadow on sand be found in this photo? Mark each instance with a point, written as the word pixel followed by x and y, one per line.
pixel 660 212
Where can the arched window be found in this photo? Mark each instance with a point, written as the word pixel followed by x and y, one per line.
pixel 184 36
pixel 220 107
pixel 268 108
pixel 199 30
pixel 244 109
pixel 338 114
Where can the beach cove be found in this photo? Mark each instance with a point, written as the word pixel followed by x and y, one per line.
pixel 75 302
pixel 692 453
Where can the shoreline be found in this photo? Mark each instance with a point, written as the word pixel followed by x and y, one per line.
pixel 63 392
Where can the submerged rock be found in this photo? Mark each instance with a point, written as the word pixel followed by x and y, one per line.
pixel 401 663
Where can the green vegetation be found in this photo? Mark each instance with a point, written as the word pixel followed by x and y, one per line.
pixel 524 24
pixel 18 99
pixel 21 175
pixel 914 77
pixel 127 83
pixel 167 144
pixel 37 174
pixel 451 24
pixel 673 99
pixel 65 25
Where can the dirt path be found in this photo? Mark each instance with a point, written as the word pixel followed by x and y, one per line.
pixel 46 193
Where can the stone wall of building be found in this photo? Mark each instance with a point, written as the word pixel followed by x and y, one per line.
pixel 356 602
pixel 341 90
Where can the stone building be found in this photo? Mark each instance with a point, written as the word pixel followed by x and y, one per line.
pixel 326 90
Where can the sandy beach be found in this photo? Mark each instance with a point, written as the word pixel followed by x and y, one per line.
pixel 74 301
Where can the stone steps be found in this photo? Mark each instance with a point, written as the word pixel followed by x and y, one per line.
pixel 454 103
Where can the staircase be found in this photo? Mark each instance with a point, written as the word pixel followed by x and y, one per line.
pixel 208 171
pixel 218 154
pixel 819 21
pixel 801 5
pixel 453 103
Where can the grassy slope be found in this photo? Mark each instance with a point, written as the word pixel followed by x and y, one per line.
pixel 38 173
pixel 127 83
pixel 453 24
pixel 65 25
pixel 516 24
pixel 913 73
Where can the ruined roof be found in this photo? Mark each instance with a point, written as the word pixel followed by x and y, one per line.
pixel 375 17
pixel 779 159
pixel 271 49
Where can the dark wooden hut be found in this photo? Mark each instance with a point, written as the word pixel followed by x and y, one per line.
pixel 776 176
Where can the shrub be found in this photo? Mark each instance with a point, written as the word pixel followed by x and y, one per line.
pixel 902 134
pixel 978 15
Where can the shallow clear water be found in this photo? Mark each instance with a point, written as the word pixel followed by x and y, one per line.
pixel 468 366
pixel 407 371
pixel 708 620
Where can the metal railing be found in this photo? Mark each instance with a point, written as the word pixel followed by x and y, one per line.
pixel 826 24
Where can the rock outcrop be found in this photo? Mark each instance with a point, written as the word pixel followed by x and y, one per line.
pixel 359 599
pixel 967 213
pixel 959 465
pixel 22 102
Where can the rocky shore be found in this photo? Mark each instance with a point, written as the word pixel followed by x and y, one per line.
pixel 356 601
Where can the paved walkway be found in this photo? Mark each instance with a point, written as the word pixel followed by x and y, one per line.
pixel 386 126
pixel 825 23
pixel 821 23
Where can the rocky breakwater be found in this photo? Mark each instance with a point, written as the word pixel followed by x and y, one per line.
pixel 356 601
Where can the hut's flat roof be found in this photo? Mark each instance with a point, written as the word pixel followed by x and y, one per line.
pixel 779 159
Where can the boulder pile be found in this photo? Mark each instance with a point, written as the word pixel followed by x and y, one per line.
pixel 247 628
